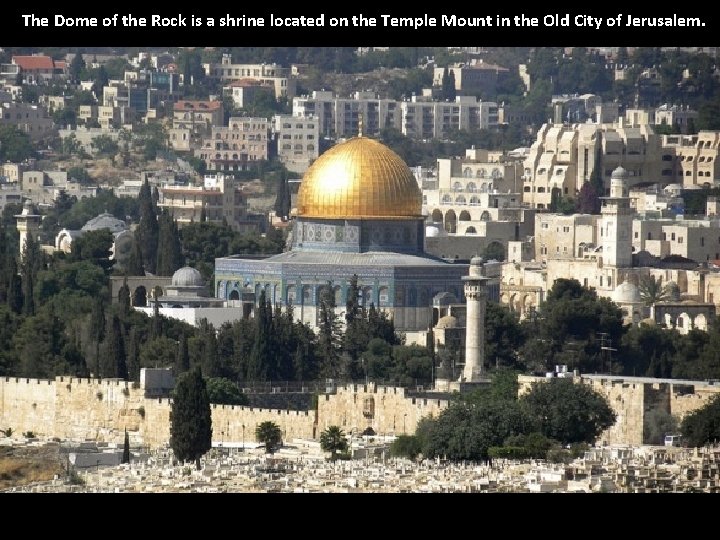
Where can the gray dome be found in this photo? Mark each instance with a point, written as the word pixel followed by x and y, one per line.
pixel 105 221
pixel 619 173
pixel 187 277
pixel 448 321
pixel 626 293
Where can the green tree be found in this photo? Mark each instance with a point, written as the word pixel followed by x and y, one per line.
pixel 146 234
pixel 183 357
pixel 94 246
pixel 270 435
pixel 407 446
pixel 261 362
pixel 702 426
pixel 15 145
pixel 113 362
pixel 126 449
pixel 328 333
pixel 333 440
pixel 652 290
pixel 169 252
pixel 569 412
pixel 223 391
pixel 190 417
pixel 283 198
pixel 76 68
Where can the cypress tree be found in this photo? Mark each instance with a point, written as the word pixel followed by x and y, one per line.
pixel 113 363
pixel 29 267
pixel 169 248
pixel 126 449
pixel 210 366
pixel 261 356
pixel 146 234
pixel 190 417
pixel 133 355
pixel 96 331
pixel 14 292
pixel 134 265
pixel 124 299
pixel 183 357
pixel 283 198
pixel 328 333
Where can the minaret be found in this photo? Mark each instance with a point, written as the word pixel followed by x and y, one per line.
pixel 28 224
pixel 475 301
pixel 616 222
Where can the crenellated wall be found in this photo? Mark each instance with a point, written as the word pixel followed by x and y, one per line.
pixel 632 397
pixel 102 410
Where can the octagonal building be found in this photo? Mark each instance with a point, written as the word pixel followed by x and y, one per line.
pixel 358 212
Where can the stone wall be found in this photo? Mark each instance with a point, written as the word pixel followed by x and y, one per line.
pixel 632 397
pixel 388 411
pixel 101 410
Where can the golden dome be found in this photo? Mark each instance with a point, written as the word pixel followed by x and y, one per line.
pixel 360 178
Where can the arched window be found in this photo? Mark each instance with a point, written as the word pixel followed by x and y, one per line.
pixel 471 188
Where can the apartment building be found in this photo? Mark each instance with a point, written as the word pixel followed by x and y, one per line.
pixel 237 146
pixel 298 141
pixel 28 118
pixel 280 78
pixel 218 198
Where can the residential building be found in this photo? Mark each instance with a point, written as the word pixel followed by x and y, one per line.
pixel 477 78
pixel 281 78
pixel 35 69
pixel 298 141
pixel 245 91
pixel 28 118
pixel 193 120
pixel 691 160
pixel 237 146
pixel 218 199
pixel 564 157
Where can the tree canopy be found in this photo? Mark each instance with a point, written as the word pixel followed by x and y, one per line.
pixel 190 417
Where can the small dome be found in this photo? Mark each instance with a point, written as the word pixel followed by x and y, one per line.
pixel 626 293
pixel 435 230
pixel 619 174
pixel 187 277
pixel 105 221
pixel 448 321
pixel 477 261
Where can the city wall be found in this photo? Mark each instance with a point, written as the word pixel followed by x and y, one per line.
pixel 101 410
pixel 633 397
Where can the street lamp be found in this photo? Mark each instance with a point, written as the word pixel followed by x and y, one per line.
pixel 243 439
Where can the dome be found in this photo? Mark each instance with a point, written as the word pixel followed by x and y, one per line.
pixel 619 174
pixel 448 321
pixel 187 277
pixel 360 178
pixel 105 221
pixel 434 230
pixel 626 293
